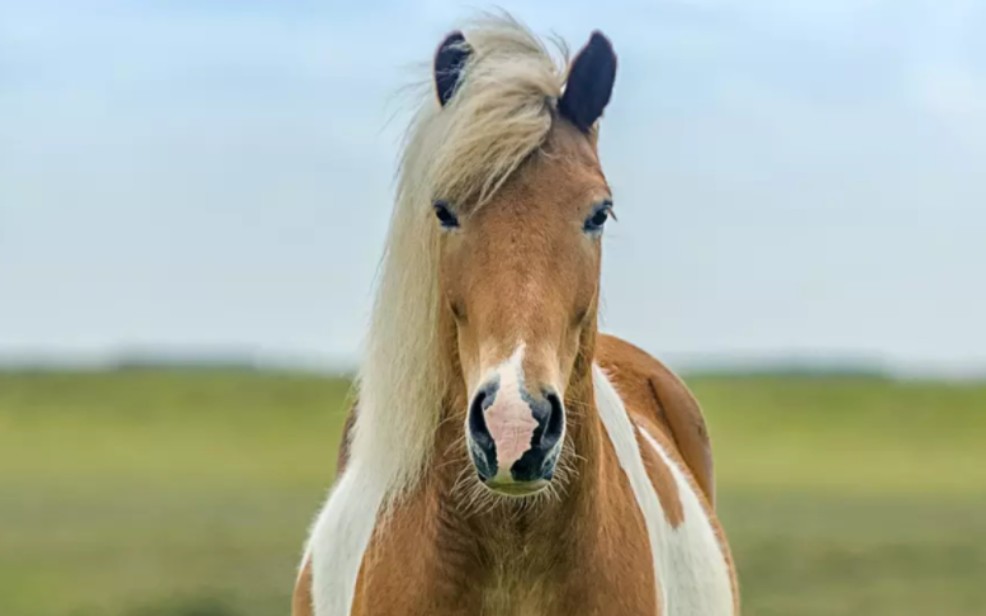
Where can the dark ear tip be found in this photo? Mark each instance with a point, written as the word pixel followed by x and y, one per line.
pixel 599 44
pixel 598 38
pixel 454 38
pixel 590 82
pixel 449 60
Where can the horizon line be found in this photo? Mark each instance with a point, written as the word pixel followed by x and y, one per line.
pixel 779 363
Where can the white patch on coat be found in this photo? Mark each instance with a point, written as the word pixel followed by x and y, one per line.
pixel 339 540
pixel 701 580
pixel 691 577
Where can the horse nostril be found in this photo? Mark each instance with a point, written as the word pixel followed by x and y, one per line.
pixel 476 420
pixel 538 462
pixel 481 441
pixel 556 422
pixel 477 423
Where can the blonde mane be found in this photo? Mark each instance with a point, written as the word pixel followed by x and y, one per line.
pixel 463 152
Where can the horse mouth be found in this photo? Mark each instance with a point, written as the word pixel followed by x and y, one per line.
pixel 517 488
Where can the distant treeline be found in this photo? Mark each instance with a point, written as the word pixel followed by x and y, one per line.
pixel 734 367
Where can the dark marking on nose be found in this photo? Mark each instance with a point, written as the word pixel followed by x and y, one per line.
pixel 538 462
pixel 482 447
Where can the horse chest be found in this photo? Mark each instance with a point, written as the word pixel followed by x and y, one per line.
pixel 514 596
pixel 690 562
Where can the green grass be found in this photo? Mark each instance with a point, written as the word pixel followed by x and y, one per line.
pixel 188 493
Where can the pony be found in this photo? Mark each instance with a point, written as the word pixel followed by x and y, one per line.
pixel 502 455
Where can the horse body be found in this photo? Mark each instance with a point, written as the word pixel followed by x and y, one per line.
pixel 450 558
pixel 526 464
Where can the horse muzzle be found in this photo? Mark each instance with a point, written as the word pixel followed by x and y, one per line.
pixel 515 437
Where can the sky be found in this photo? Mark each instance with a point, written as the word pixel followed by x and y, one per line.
pixel 793 179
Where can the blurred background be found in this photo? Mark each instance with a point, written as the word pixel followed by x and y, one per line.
pixel 193 200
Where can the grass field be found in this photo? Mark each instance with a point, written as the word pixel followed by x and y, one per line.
pixel 188 493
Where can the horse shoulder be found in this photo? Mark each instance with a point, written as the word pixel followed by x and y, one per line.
pixel 650 388
pixel 301 599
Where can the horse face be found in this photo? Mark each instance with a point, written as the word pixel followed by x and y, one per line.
pixel 520 277
pixel 520 281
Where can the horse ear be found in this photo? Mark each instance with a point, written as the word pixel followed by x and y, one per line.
pixel 590 83
pixel 449 61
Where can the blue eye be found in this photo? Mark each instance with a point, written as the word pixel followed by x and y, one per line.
pixel 445 216
pixel 595 222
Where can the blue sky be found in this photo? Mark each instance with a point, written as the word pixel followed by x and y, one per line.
pixel 792 178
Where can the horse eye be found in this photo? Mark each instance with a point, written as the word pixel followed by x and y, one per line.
pixel 445 216
pixel 594 224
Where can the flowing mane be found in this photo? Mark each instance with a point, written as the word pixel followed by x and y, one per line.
pixel 464 152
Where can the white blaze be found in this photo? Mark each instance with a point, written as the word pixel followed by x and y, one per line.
pixel 510 419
